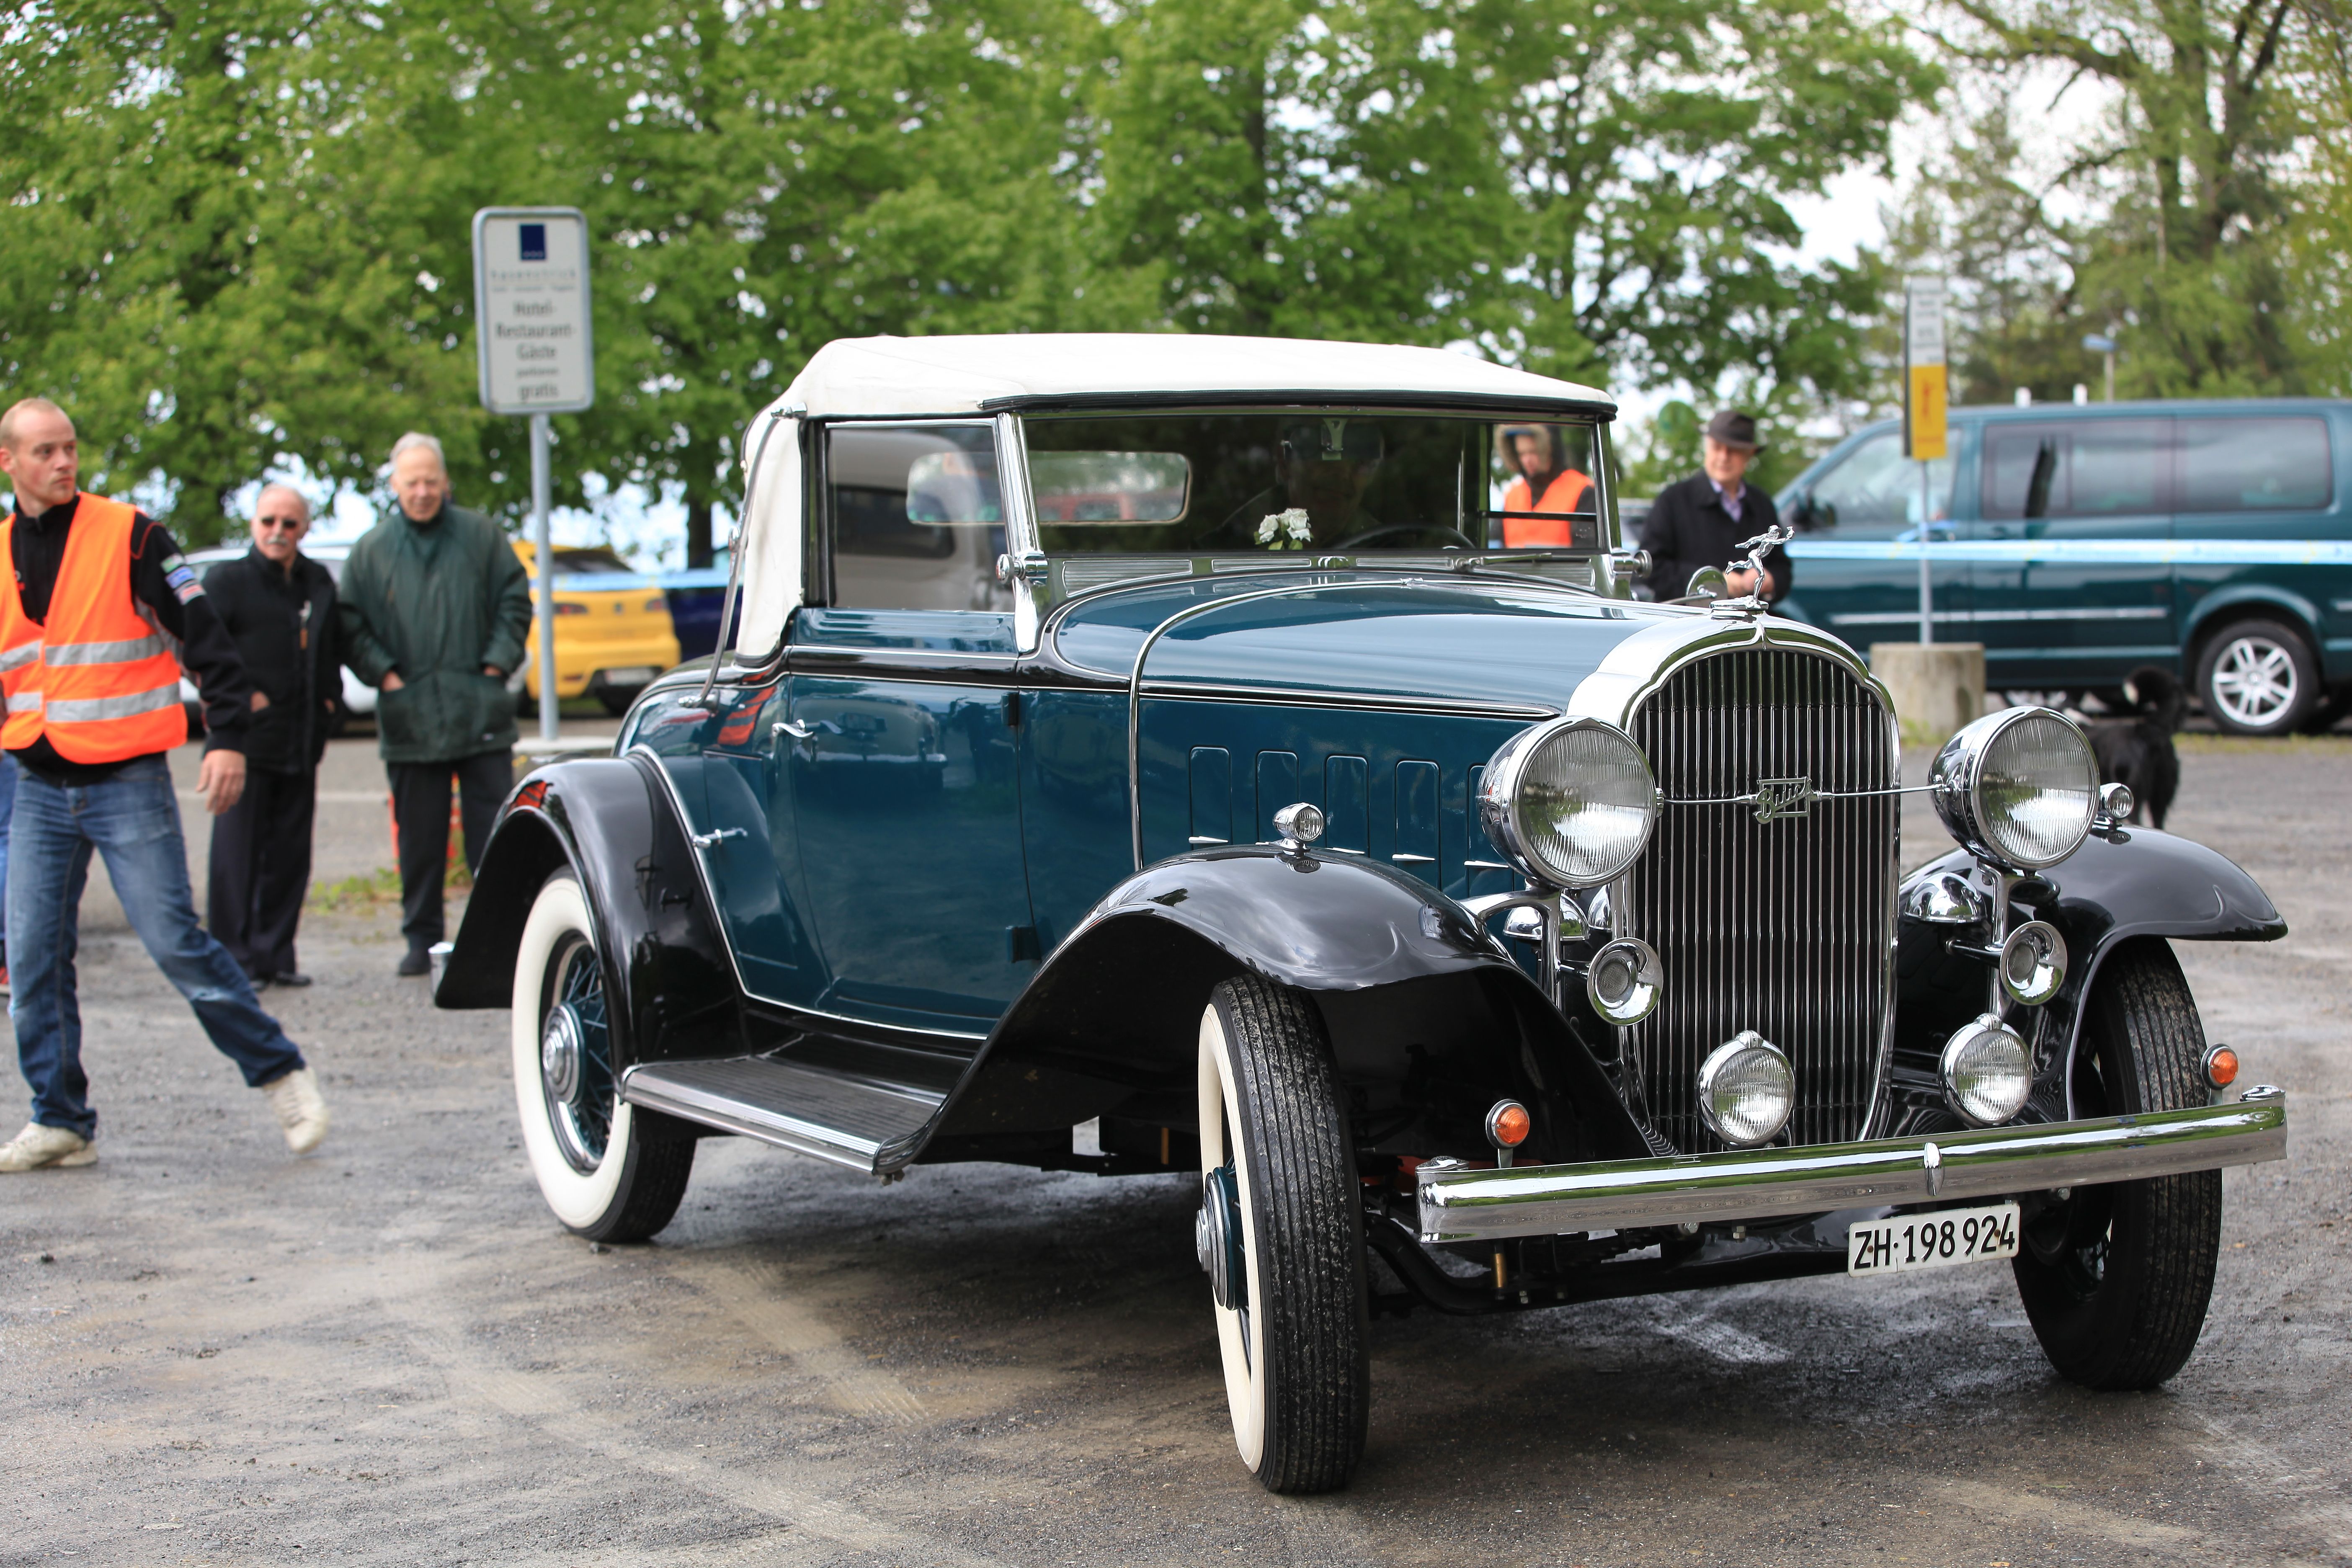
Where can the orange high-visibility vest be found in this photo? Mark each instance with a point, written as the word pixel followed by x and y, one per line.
pixel 98 678
pixel 1565 492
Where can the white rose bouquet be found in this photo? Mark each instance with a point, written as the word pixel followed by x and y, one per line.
pixel 1286 530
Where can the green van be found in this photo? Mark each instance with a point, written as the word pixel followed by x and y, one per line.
pixel 2213 539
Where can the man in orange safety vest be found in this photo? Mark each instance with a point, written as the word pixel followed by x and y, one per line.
pixel 1544 490
pixel 98 616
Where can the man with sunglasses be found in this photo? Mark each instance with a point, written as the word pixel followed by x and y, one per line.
pixel 280 606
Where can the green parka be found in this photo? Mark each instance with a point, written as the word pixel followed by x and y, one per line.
pixel 437 602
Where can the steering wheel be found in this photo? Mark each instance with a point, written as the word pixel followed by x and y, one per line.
pixel 1370 534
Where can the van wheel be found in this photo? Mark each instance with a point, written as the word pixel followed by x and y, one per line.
pixel 1281 1235
pixel 597 1171
pixel 2258 678
pixel 2115 1280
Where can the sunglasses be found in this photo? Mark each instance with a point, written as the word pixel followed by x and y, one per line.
pixel 283 524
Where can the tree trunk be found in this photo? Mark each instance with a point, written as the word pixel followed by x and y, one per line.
pixel 698 529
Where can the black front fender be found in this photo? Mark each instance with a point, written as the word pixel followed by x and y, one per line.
pixel 1430 1019
pixel 608 822
pixel 2118 887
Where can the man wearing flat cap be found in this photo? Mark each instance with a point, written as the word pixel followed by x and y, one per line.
pixel 1701 520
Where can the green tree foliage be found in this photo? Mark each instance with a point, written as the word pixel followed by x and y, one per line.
pixel 1584 189
pixel 239 236
pixel 2185 204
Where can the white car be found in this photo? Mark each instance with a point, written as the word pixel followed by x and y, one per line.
pixel 358 696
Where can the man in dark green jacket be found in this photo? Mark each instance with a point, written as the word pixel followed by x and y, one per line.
pixel 435 610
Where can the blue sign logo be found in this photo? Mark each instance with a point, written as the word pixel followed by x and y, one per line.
pixel 534 241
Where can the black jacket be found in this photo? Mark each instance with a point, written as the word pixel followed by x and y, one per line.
pixel 1687 529
pixel 164 587
pixel 285 632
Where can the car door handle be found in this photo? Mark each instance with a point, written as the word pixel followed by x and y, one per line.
pixel 792 727
pixel 706 840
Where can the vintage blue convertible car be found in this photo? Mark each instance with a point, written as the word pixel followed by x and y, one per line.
pixel 1247 758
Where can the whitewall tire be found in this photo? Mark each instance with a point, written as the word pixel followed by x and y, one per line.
pixel 597 1172
pixel 1280 1233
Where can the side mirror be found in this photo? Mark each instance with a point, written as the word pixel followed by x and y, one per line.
pixel 1809 513
pixel 1707 583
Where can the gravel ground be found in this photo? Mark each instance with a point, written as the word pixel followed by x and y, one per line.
pixel 389 1352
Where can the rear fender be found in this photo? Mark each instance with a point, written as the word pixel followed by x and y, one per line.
pixel 1428 1018
pixel 2117 888
pixel 609 823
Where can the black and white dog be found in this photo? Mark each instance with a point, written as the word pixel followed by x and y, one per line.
pixel 2138 751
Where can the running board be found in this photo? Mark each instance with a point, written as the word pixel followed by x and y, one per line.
pixel 829 1115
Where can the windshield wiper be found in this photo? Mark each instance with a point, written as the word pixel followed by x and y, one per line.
pixel 1522 557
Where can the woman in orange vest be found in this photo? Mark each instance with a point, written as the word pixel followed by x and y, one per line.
pixel 97 619
pixel 1544 485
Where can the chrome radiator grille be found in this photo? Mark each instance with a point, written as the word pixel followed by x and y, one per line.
pixel 1786 926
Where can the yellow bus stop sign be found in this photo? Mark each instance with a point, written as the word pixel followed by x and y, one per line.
pixel 1926 393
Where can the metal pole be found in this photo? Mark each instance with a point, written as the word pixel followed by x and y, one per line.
pixel 2110 357
pixel 543 551
pixel 1927 594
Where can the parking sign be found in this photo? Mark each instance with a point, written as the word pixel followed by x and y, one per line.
pixel 535 346
pixel 1926 393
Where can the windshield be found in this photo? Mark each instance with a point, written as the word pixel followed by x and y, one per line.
pixel 1290 480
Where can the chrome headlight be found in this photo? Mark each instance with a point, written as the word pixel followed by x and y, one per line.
pixel 1571 803
pixel 1746 1090
pixel 1988 1072
pixel 2018 786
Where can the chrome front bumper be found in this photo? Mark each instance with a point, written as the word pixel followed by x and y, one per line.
pixel 1758 1183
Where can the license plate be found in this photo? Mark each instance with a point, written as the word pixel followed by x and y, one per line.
pixel 636 675
pixel 1932 1240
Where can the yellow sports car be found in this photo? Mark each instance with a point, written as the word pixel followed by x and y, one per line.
pixel 612 631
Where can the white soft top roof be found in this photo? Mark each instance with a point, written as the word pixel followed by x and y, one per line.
pixel 894 378
pixel 889 377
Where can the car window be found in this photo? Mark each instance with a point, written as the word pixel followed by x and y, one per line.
pixel 1290 479
pixel 918 520
pixel 2254 465
pixel 591 560
pixel 2081 468
pixel 1877 486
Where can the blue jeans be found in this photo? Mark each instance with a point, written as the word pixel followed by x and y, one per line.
pixel 7 810
pixel 134 819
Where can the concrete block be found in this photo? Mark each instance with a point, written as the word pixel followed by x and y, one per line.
pixel 1937 687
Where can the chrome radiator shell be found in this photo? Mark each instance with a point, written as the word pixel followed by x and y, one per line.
pixel 1767 916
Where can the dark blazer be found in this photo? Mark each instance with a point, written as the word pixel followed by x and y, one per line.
pixel 1687 529
pixel 272 618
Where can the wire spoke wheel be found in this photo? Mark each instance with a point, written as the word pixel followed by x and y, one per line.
pixel 576 1057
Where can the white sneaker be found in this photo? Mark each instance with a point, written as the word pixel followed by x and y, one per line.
pixel 37 1146
pixel 300 1111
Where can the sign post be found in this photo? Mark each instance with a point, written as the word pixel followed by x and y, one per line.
pixel 536 354
pixel 2104 343
pixel 1926 398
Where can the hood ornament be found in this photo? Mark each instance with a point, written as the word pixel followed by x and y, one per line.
pixel 1750 553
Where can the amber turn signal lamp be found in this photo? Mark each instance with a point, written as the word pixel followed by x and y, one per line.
pixel 2221 1067
pixel 1507 1126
